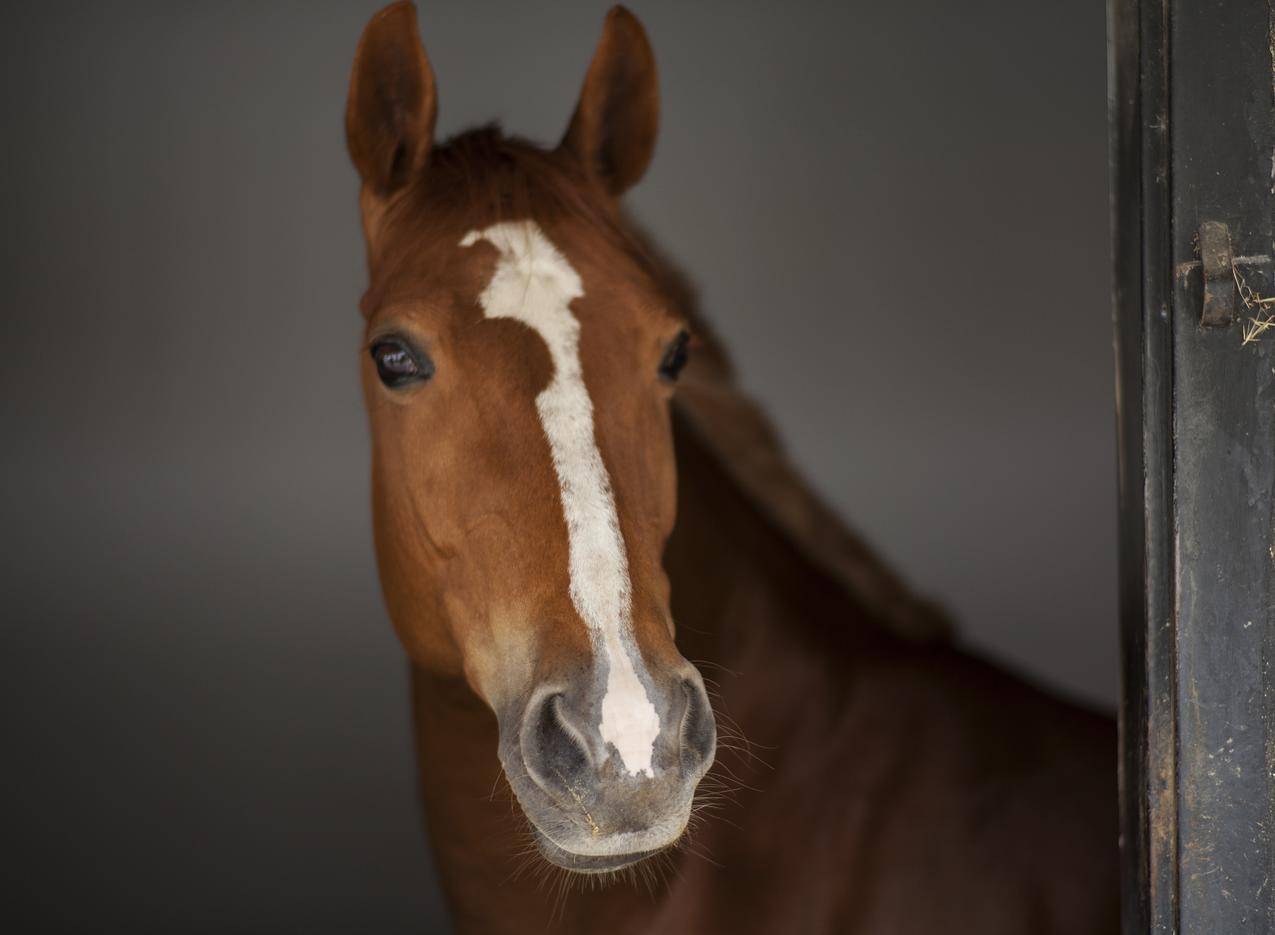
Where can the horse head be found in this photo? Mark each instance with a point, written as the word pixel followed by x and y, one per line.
pixel 521 353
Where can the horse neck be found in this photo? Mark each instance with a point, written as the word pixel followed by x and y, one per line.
pixel 747 606
pixel 751 608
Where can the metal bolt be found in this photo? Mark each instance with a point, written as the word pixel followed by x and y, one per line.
pixel 1219 278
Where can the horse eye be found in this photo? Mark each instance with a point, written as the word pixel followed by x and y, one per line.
pixel 675 357
pixel 398 363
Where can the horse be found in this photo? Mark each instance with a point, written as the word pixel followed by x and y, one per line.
pixel 738 722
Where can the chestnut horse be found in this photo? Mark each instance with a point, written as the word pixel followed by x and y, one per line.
pixel 530 451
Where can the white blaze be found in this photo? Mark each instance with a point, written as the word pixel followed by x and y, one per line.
pixel 534 283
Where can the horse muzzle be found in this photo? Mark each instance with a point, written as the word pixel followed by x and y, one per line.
pixel 590 811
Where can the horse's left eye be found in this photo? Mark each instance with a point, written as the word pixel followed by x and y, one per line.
pixel 674 358
pixel 398 363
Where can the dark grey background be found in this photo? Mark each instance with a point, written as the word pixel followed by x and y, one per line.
pixel 897 217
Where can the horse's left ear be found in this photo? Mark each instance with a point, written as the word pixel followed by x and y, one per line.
pixel 613 129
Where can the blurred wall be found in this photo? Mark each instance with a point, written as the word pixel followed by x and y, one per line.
pixel 896 214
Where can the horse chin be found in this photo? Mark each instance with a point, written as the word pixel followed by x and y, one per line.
pixel 588 863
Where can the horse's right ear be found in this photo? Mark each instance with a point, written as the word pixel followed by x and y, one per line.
pixel 389 116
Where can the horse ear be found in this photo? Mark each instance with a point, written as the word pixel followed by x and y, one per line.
pixel 613 129
pixel 389 115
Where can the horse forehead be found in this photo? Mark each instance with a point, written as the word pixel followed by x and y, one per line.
pixel 532 277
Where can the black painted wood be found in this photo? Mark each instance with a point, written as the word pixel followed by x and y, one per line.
pixel 1140 224
pixel 1193 127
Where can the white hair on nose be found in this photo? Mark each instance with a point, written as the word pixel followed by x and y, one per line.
pixel 534 283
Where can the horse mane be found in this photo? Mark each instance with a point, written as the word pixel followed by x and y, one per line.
pixel 506 177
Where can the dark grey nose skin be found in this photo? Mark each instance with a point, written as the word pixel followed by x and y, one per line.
pixel 698 740
pixel 558 757
pixel 566 758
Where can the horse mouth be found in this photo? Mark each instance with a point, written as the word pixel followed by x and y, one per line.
pixel 587 863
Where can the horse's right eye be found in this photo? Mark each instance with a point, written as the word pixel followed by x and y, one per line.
pixel 675 357
pixel 398 363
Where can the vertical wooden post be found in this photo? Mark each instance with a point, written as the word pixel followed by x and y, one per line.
pixel 1193 172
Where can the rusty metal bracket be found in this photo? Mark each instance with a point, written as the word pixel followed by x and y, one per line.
pixel 1219 277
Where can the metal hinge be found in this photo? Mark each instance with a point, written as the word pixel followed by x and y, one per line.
pixel 1224 279
pixel 1219 279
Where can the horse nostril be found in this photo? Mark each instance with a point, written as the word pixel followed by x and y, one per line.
pixel 558 755
pixel 699 729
